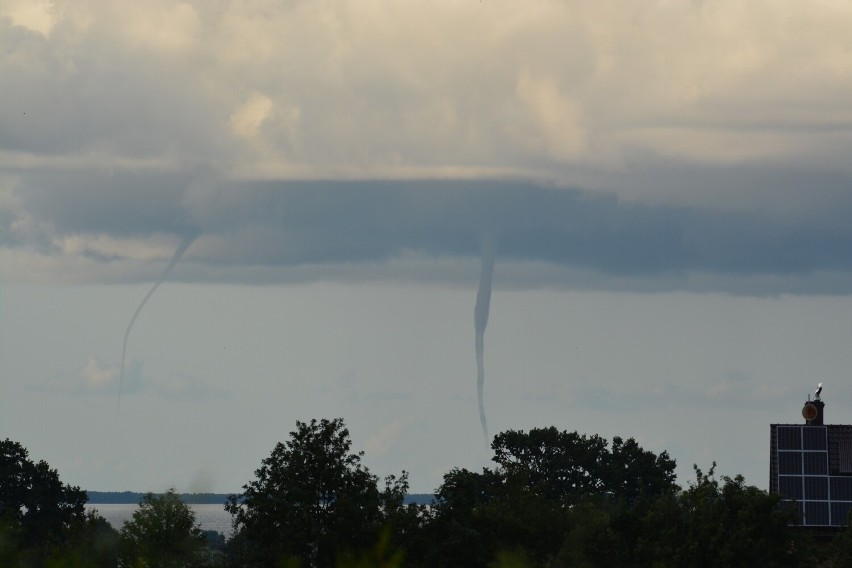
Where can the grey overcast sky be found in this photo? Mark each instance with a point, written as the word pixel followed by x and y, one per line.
pixel 667 186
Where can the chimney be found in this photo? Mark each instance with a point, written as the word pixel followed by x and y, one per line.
pixel 812 412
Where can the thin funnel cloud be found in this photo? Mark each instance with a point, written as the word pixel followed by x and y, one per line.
pixel 181 249
pixel 480 321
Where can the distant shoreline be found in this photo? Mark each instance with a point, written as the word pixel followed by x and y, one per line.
pixel 134 497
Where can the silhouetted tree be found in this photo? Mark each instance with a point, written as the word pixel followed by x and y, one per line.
pixel 548 485
pixel 312 500
pixel 92 544
pixel 38 513
pixel 633 472
pixel 572 467
pixel 710 524
pixel 840 551
pixel 727 523
pixel 460 531
pixel 163 534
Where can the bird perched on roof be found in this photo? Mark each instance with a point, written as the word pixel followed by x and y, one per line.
pixel 818 391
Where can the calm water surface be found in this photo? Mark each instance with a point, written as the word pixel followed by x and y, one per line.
pixel 210 517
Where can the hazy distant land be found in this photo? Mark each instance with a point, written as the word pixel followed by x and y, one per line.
pixel 133 497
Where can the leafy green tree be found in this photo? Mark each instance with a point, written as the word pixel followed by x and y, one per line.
pixel 555 464
pixel 163 534
pixel 38 513
pixel 547 486
pixel 734 524
pixel 840 551
pixel 93 544
pixel 633 472
pixel 713 523
pixel 312 500
pixel 572 467
pixel 460 531
pixel 403 523
pixel 382 555
pixel 592 539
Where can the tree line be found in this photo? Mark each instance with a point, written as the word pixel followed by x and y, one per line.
pixel 551 499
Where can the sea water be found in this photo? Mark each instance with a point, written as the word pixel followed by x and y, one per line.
pixel 209 517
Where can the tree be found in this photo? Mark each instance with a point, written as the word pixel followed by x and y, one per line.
pixel 734 524
pixel 549 485
pixel 403 524
pixel 95 544
pixel 571 467
pixel 312 499
pixel 554 464
pixel 460 531
pixel 633 472
pixel 38 513
pixel 840 551
pixel 163 534
pixel 712 523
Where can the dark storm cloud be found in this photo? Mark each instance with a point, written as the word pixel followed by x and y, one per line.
pixel 119 204
pixel 792 194
pixel 322 222
pixel 291 224
pixel 49 205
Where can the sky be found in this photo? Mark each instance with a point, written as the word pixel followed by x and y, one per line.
pixel 665 188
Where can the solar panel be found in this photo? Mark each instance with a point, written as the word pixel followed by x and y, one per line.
pixel 841 488
pixel 802 462
pixel 816 513
pixel 789 438
pixel 815 463
pixel 840 513
pixel 790 487
pixel 816 488
pixel 790 463
pixel 814 438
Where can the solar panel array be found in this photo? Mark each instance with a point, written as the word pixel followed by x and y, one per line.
pixel 823 499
